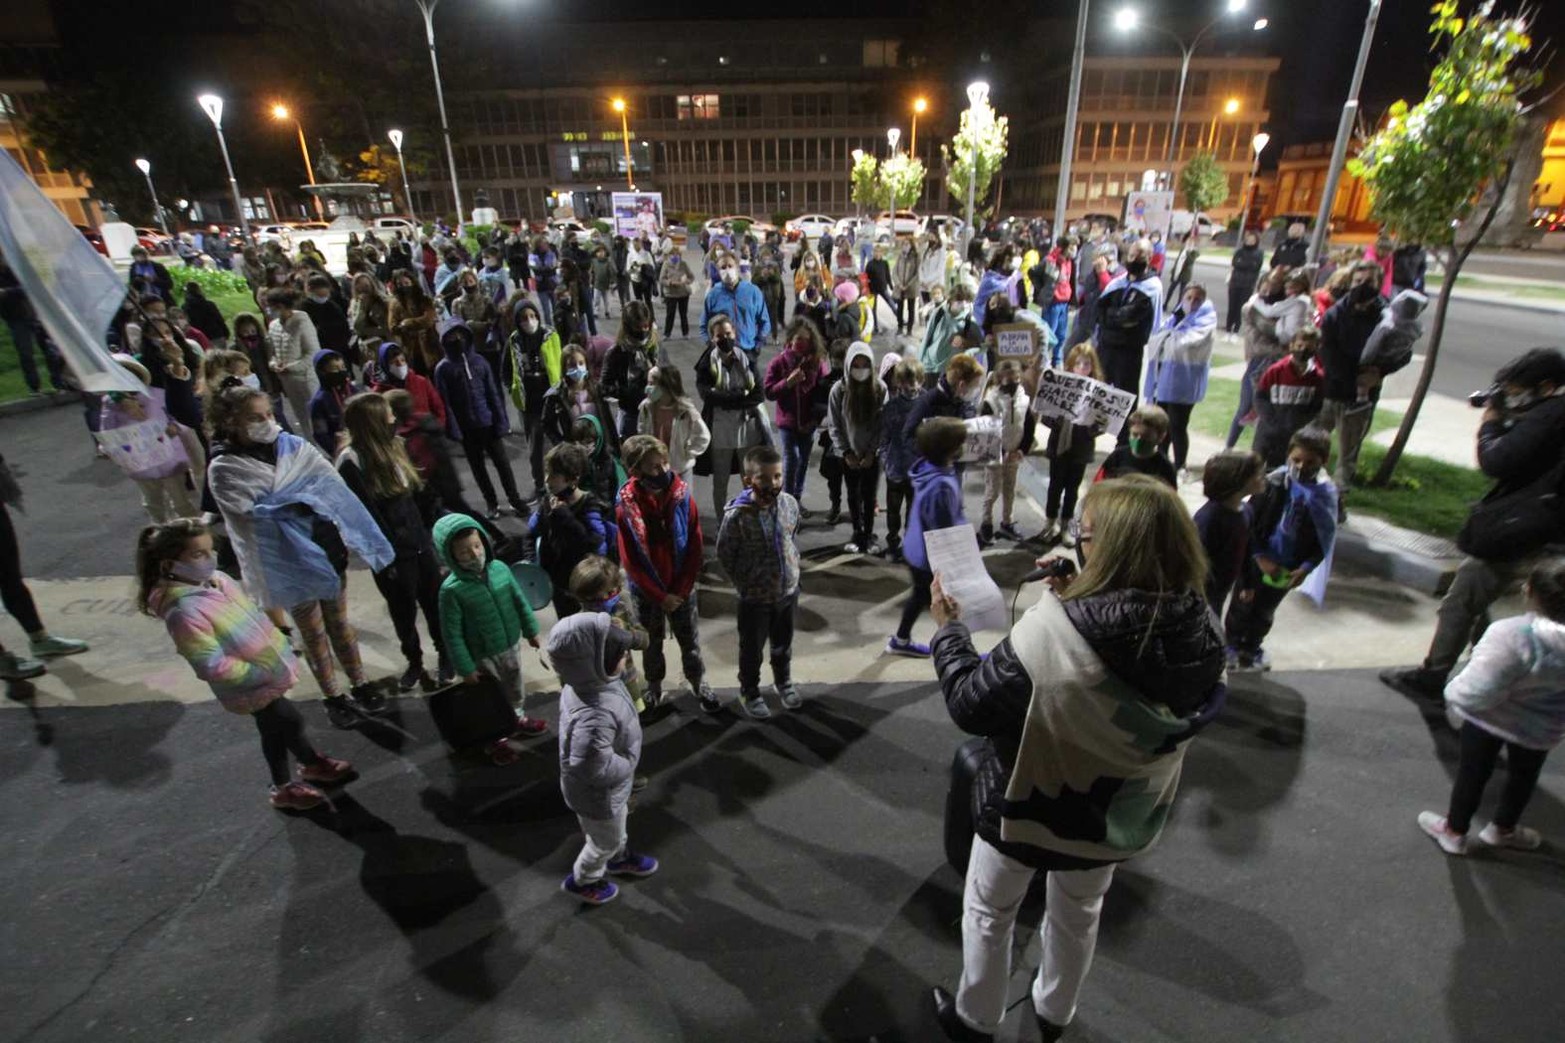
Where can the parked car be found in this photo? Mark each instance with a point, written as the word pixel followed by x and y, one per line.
pixel 280 233
pixel 950 228
pixel 393 225
pixel 558 230
pixel 902 223
pixel 848 226
pixel 807 226
pixel 92 236
pixel 1181 221
pixel 758 227
pixel 154 240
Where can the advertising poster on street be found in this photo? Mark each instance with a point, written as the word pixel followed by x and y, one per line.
pixel 1082 400
pixel 1147 212
pixel 637 213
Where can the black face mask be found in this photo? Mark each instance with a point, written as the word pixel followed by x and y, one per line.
pixel 338 379
pixel 725 345
pixel 1363 293
pixel 1136 268
pixel 452 348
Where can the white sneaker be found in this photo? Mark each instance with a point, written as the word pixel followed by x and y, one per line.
pixel 1521 838
pixel 1438 830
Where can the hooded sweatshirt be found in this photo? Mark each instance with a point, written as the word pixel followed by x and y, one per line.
pixel 758 547
pixel 937 504
pixel 861 438
pixel 1513 687
pixel 426 400
pixel 327 402
pixel 482 611
pixel 467 384
pixel 600 734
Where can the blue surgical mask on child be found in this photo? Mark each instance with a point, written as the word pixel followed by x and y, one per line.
pixel 577 374
pixel 611 602
pixel 194 571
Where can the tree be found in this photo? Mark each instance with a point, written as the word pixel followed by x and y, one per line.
pixel 866 181
pixel 1428 168
pixel 901 182
pixel 975 153
pixel 1204 185
pixel 379 166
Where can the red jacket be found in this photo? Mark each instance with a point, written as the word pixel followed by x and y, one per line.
pixel 1065 285
pixel 426 400
pixel 659 538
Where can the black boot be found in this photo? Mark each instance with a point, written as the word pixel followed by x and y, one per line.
pixel 340 712
pixel 954 1027
pixel 1048 1029
pixel 367 699
pixel 1415 682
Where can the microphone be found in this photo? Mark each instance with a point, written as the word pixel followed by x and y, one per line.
pixel 1054 568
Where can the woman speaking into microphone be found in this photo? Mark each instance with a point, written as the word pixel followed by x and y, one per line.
pixel 1087 704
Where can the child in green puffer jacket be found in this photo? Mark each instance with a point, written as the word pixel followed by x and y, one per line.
pixel 483 615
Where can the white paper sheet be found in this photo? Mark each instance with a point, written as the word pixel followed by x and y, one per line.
pixel 954 557
pixel 985 440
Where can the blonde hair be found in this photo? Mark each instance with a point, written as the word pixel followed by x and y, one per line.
pixel 1084 351
pixel 1143 538
pixel 382 457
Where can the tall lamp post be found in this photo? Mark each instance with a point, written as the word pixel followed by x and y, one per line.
pixel 280 113
pixel 977 94
pixel 1072 103
pixel 1258 145
pixel 146 172
pixel 212 105
pixel 407 193
pixel 857 155
pixel 428 8
pixel 1339 151
pixel 920 104
pixel 624 133
pixel 1128 18
pixel 893 135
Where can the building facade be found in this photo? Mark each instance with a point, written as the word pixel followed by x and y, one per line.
pixel 1123 125
pixel 22 69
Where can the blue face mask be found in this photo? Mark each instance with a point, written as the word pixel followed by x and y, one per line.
pixel 577 373
pixel 611 603
pixel 660 480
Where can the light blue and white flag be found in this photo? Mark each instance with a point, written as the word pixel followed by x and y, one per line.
pixel 72 287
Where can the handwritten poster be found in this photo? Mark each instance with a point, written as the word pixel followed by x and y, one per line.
pixel 1082 400
pixel 142 447
pixel 984 440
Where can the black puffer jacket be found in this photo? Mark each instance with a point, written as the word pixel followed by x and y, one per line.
pixel 1168 648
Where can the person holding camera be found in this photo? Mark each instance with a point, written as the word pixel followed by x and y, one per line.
pixel 1521 445
pixel 1087 705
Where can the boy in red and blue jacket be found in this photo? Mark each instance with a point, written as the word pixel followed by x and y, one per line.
pixel 660 551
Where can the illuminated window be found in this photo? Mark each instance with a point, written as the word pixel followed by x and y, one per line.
pixel 697 106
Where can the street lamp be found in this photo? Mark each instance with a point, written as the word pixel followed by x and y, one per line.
pixel 624 133
pixel 893 135
pixel 1339 150
pixel 919 105
pixel 1072 106
pixel 146 172
pixel 1128 18
pixel 428 8
pixel 1230 108
pixel 1258 145
pixel 212 105
pixel 280 113
pixel 977 95
pixel 396 143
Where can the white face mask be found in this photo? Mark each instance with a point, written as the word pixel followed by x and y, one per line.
pixel 251 381
pixel 730 276
pixel 859 374
pixel 1016 264
pixel 399 372
pixel 262 432
pixel 530 325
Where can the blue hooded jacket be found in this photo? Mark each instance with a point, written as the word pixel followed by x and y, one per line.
pixel 745 305
pixel 468 386
pixel 937 504
pixel 326 404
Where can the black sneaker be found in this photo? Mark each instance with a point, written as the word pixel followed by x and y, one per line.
pixel 341 713
pixel 1048 1030
pixel 411 677
pixel 834 516
pixel 447 676
pixel 953 1026
pixel 368 699
pixel 1415 682
pixel 985 534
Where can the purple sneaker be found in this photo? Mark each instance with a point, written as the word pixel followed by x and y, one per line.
pixel 599 892
pixel 911 649
pixel 632 864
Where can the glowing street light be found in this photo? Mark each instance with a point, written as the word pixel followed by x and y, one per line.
pixel 920 104
pixel 893 135
pixel 1232 106
pixel 427 8
pixel 396 143
pixel 212 105
pixel 1258 145
pixel 281 114
pixel 146 172
pixel 1127 19
pixel 624 133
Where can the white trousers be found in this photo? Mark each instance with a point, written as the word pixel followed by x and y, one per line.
pixel 167 498
pixel 605 839
pixel 996 885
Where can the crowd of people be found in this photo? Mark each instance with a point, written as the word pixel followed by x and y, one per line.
pixel 325 422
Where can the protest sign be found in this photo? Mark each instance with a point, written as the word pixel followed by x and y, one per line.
pixel 1082 400
pixel 983 443
pixel 1016 340
pixel 142 447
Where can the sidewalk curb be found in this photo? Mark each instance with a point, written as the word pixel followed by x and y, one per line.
pixel 33 403
pixel 1464 297
pixel 1376 557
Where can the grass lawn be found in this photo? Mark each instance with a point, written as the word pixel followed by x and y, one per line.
pixel 1426 495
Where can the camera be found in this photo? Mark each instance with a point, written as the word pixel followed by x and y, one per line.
pixel 1481 399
